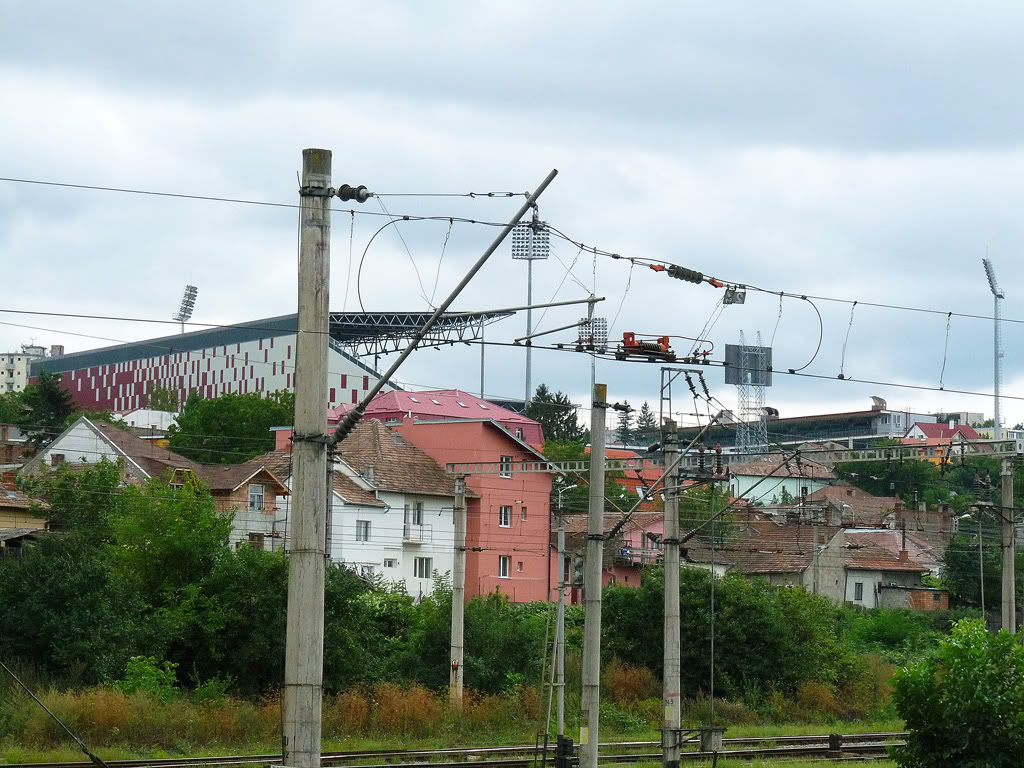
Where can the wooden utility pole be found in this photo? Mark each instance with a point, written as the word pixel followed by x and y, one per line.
pixel 670 746
pixel 458 595
pixel 304 645
pixel 1009 549
pixel 591 705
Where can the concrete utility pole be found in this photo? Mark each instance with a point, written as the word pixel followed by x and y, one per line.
pixel 304 644
pixel 1006 517
pixel 560 627
pixel 591 705
pixel 458 595
pixel 670 746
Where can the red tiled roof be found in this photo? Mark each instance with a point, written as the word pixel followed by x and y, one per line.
pixel 945 432
pixel 791 468
pixel 874 551
pixel 397 464
pixel 438 403
pixel 280 463
pixel 769 547
pixel 227 477
pixel 868 510
pixel 153 459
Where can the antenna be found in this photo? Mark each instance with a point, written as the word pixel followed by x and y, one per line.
pixel 188 304
pixel 997 345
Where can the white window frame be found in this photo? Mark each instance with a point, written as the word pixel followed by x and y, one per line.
pixel 519 433
pixel 858 591
pixel 390 562
pixel 423 567
pixel 522 514
pixel 504 561
pixel 417 513
pixel 257 494
pixel 505 516
pixel 362 530
pixel 519 566
pixel 506 467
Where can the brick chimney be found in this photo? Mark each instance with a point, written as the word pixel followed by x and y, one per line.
pixel 904 556
pixel 7 480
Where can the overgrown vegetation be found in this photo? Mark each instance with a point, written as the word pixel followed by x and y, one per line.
pixel 965 705
pixel 140 607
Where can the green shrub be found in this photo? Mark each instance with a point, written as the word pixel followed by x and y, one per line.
pixel 964 706
pixel 144 674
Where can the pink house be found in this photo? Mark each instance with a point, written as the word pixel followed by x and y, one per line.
pixel 636 544
pixel 509 524
pixel 392 407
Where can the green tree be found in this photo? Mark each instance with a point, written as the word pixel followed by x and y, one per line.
pixel 161 399
pixel 961 573
pixel 1019 425
pixel 695 505
pixel 764 637
pixel 11 407
pixel 79 500
pixel 231 428
pixel 646 423
pixel 46 409
pixel 624 429
pixel 556 415
pixel 167 538
pixel 76 618
pixel 576 500
pixel 965 705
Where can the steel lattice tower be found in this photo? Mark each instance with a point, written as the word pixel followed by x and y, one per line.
pixel 752 429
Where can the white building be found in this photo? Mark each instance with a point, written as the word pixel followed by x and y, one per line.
pixel 15 366
pixel 391 509
pixel 764 480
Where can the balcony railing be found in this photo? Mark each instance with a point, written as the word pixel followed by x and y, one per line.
pixel 416 533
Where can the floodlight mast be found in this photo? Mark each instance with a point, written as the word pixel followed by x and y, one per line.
pixel 188 305
pixel 997 366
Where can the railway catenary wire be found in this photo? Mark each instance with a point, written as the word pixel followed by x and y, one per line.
pixel 749 747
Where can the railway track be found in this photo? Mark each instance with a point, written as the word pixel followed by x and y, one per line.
pixel 861 746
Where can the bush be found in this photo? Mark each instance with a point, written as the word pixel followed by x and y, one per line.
pixel 627 683
pixel 964 706
pixel 144 674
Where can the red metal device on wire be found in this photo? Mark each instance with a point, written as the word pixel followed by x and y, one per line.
pixel 635 346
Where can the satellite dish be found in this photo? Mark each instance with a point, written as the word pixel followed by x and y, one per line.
pixel 879 402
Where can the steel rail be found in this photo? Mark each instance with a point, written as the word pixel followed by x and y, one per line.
pixel 855 742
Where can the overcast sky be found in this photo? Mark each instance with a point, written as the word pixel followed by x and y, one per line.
pixel 862 150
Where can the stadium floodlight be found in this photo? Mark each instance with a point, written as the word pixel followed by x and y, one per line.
pixel 997 366
pixel 530 242
pixel 188 305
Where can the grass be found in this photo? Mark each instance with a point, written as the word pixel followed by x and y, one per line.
pixel 788 763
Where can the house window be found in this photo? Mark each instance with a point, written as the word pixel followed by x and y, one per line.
pixel 858 590
pixel 177 486
pixel 255 497
pixel 435 401
pixel 503 561
pixel 519 433
pixel 390 562
pixel 461 404
pixel 256 540
pixel 522 514
pixel 482 406
pixel 362 530
pixel 413 399
pixel 414 514
pixel 506 466
pixel 505 517
pixel 519 567
pixel 56 458
pixel 423 567
pixel 366 571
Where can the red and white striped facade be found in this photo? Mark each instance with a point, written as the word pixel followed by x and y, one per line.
pixel 121 378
